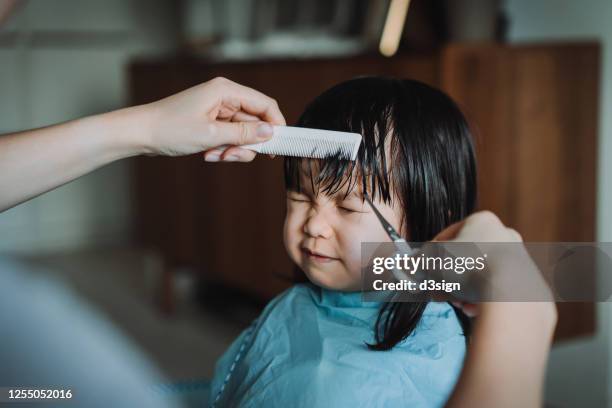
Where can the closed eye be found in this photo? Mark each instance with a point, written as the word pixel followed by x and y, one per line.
pixel 298 199
pixel 348 210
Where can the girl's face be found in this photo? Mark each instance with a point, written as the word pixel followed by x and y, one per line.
pixel 323 234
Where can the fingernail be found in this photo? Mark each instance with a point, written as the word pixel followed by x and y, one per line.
pixel 213 157
pixel 264 131
pixel 231 158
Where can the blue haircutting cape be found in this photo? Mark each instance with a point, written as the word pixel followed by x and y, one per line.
pixel 308 349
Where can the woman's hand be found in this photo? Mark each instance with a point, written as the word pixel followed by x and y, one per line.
pixel 200 119
pixel 483 226
pixel 510 341
pixel 203 118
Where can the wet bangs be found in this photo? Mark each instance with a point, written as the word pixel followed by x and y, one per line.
pixel 344 111
pixel 334 175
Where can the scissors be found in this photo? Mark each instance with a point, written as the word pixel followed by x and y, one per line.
pixel 400 243
pixel 391 232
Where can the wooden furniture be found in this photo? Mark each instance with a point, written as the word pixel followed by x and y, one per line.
pixel 533 110
pixel 534 113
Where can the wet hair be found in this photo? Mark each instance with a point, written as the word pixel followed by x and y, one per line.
pixel 417 148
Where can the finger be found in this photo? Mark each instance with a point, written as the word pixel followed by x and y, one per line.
pixel 449 232
pixel 239 133
pixel 515 234
pixel 470 309
pixel 214 155
pixel 252 102
pixel 241 116
pixel 217 150
pixel 235 153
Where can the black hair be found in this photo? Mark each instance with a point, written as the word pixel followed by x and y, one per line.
pixel 417 147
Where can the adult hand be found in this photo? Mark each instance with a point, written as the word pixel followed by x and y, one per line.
pixel 201 119
pixel 510 341
pixel 483 226
pixel 214 117
pixel 508 261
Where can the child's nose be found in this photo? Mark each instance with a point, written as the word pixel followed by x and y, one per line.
pixel 316 225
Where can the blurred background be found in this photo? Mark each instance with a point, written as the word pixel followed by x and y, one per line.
pixel 182 254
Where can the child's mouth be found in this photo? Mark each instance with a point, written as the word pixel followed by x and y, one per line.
pixel 317 257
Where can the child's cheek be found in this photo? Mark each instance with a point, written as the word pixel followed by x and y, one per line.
pixel 351 243
pixel 368 229
pixel 291 234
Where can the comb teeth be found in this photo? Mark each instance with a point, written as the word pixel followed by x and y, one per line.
pixel 313 143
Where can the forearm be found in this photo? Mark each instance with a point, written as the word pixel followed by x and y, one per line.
pixel 507 357
pixel 36 161
pixel 200 119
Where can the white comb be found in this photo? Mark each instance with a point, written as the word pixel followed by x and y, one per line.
pixel 306 142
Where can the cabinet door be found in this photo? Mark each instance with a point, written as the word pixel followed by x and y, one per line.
pixel 534 113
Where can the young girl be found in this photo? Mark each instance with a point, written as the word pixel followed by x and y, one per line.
pixel 318 344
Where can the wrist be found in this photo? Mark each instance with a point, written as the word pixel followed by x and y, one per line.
pixel 125 131
pixel 533 317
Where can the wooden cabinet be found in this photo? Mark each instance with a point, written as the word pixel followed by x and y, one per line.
pixel 533 110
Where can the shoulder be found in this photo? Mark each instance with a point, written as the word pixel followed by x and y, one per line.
pixel 438 333
pixel 440 322
pixel 439 310
pixel 432 356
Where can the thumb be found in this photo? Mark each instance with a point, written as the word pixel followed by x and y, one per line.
pixel 449 232
pixel 239 133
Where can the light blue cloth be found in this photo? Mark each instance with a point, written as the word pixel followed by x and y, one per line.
pixel 308 350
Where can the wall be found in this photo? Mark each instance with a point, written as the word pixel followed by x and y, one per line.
pixel 60 60
pixel 578 373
